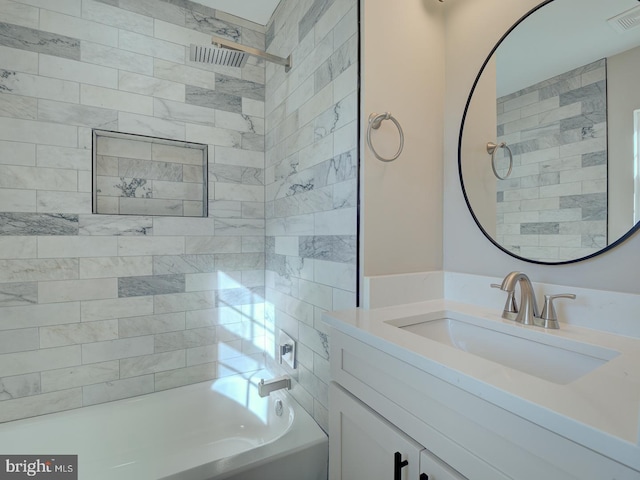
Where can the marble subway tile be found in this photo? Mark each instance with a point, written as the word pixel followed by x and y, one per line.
pixel 213 135
pixel 179 111
pixel 239 227
pixel 151 324
pixel 33 270
pixel 173 264
pixel 150 206
pixel 116 17
pixel 80 28
pixel 177 154
pixel 75 290
pixel 242 88
pixel 18 200
pixel 117 390
pixel 136 246
pixel 239 157
pixel 150 86
pixel 154 363
pixel 38 41
pixel 179 302
pixel 43 133
pixel 14 294
pixel 18 107
pixel 178 72
pixel 117 349
pixel 115 100
pixel 151 285
pixel 78 333
pixel 40 404
pixel 21 340
pixel 185 376
pixel 75 71
pixel 50 202
pixel 185 226
pixel 19 386
pixel 63 247
pixel 169 12
pixel 106 267
pixel 115 225
pixel 19 60
pixel 213 99
pixel 123 147
pixel 35 178
pixel 213 244
pixel 94 310
pixel 63 157
pixel 116 58
pixel 150 126
pixel 178 191
pixel 38 315
pixel 38 360
pixel 15 153
pixel 78 376
pixel 335 248
pixel 197 337
pixel 150 46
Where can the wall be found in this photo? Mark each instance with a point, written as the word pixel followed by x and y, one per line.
pixel 96 307
pixel 311 183
pixel 402 72
pixel 553 206
pixel 469 38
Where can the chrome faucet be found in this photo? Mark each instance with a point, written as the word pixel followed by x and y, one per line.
pixel 528 309
pixel 527 313
pixel 265 388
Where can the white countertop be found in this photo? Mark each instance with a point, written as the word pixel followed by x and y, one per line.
pixel 600 410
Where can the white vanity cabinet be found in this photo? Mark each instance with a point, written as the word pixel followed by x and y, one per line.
pixel 365 446
pixel 381 403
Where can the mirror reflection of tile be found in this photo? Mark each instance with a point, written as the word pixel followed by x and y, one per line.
pixel 144 176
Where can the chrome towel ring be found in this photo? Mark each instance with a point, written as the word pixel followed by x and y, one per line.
pixel 492 148
pixel 375 119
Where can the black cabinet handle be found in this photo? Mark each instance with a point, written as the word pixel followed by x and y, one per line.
pixel 424 476
pixel 398 465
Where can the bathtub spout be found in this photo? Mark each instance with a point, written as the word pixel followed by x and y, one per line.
pixel 265 388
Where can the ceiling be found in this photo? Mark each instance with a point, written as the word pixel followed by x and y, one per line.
pixel 563 35
pixel 257 11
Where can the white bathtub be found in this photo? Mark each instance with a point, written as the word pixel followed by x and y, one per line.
pixel 220 430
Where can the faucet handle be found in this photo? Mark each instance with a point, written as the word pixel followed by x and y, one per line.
pixel 510 306
pixel 549 315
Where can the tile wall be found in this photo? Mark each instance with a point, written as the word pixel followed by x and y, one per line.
pixel 95 308
pixel 311 186
pixel 553 207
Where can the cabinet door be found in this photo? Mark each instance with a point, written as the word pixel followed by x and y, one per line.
pixel 364 446
pixel 432 468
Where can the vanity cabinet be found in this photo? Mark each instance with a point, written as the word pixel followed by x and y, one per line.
pixel 365 446
pixel 380 403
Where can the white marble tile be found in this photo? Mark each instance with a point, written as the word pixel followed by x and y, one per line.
pixel 235 227
pixel 18 247
pixel 17 200
pixel 116 390
pixel 38 270
pixel 17 106
pixel 236 192
pixel 64 247
pixel 293 225
pixel 30 85
pixel 38 315
pixel 116 58
pixel 63 157
pixel 94 310
pixel 65 69
pixel 153 127
pixel 14 153
pixel 239 157
pixel 287 246
pixel 117 17
pixel 183 226
pixel 24 339
pixel 19 14
pixel 69 7
pixel 134 246
pixel 123 147
pixel 185 376
pixel 212 244
pixel 77 333
pixel 43 133
pixel 78 28
pixel 158 362
pixel 115 100
pixel 253 244
pixel 151 324
pixel 213 136
pixel 117 349
pixel 254 108
pixel 38 360
pixel 80 115
pixel 180 35
pixel 298 309
pixel 67 202
pixel 19 386
pixel 316 294
pixel 154 47
pixel 40 404
pixel 20 60
pixel 180 111
pixel 338 275
pixel 154 87
pixel 178 72
pixel 64 378
pixel 74 290
pixel 336 222
pixel 178 302
pixel 105 267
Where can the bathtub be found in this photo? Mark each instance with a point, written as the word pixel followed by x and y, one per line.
pixel 220 429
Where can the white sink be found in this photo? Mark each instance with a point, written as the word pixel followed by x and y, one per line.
pixel 551 358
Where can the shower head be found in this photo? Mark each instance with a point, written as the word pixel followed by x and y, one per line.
pixel 232 54
pixel 218 56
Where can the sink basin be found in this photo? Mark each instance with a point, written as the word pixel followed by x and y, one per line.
pixel 553 358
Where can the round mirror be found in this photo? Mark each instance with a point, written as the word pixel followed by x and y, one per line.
pixel 549 147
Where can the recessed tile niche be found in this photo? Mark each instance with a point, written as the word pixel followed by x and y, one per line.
pixel 138 175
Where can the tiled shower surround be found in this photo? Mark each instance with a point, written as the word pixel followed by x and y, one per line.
pixel 95 308
pixel 311 185
pixel 553 207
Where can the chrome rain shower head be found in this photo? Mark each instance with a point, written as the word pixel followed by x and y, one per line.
pixel 218 56
pixel 231 54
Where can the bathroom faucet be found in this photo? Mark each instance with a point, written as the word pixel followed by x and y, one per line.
pixel 265 388
pixel 528 314
pixel 528 307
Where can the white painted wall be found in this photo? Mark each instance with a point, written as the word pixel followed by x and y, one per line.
pixel 472 27
pixel 403 73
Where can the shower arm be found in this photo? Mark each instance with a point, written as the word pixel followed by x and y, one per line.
pixel 221 42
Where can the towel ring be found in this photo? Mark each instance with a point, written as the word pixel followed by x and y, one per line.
pixel 492 148
pixel 375 119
